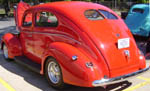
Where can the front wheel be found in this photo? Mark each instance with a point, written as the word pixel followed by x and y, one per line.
pixel 5 52
pixel 53 73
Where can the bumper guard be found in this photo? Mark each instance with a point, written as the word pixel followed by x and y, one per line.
pixel 104 82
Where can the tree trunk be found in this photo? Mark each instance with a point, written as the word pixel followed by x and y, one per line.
pixel 6 6
pixel 36 2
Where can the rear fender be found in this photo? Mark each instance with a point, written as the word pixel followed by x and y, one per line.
pixel 74 72
pixel 13 44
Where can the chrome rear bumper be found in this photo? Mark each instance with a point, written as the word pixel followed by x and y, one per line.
pixel 103 81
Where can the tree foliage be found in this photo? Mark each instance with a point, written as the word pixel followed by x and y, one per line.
pixel 16 1
pixel 143 1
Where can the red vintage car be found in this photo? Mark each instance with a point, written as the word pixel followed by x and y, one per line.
pixel 78 43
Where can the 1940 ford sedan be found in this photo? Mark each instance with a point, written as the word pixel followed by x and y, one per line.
pixel 78 43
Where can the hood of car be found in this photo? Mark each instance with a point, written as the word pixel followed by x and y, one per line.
pixel 19 11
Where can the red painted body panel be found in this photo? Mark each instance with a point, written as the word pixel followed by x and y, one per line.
pixel 108 46
pixel 75 72
pixel 91 41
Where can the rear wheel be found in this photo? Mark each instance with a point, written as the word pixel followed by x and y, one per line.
pixel 53 73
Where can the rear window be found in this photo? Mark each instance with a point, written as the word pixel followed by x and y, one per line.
pixel 93 15
pixel 108 15
pixel 138 10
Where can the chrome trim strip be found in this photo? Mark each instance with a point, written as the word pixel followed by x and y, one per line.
pixel 52 34
pixel 103 81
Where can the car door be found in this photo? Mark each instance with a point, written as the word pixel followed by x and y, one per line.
pixel 26 35
pixel 45 24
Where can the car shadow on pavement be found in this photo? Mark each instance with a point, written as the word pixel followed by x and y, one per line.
pixel 28 76
pixel 40 82
pixel 10 29
pixel 5 19
pixel 115 87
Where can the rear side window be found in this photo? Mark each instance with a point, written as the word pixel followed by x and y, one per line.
pixel 138 10
pixel 108 15
pixel 93 15
pixel 46 19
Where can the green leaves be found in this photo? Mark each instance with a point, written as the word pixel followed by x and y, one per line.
pixel 143 1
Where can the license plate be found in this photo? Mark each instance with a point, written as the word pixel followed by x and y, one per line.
pixel 123 43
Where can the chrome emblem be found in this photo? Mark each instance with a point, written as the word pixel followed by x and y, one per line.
pixel 118 35
pixel 74 58
pixel 127 53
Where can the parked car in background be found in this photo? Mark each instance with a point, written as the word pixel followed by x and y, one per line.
pixel 138 20
pixel 78 43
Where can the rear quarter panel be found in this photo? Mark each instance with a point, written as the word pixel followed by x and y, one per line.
pixel 75 72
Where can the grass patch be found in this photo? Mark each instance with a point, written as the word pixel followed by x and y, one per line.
pixel 2 11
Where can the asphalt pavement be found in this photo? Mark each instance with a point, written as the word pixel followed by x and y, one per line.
pixel 15 77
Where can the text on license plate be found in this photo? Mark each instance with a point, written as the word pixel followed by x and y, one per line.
pixel 123 43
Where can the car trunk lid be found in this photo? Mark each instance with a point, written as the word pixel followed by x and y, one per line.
pixel 106 38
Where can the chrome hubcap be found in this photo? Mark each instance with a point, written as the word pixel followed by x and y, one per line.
pixel 54 72
pixel 5 50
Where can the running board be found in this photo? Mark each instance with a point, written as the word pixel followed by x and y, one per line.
pixel 23 60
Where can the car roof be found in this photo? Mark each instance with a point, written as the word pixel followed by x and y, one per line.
pixel 65 5
pixel 72 8
pixel 143 6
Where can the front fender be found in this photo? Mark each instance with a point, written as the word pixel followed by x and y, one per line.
pixel 13 45
pixel 75 72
